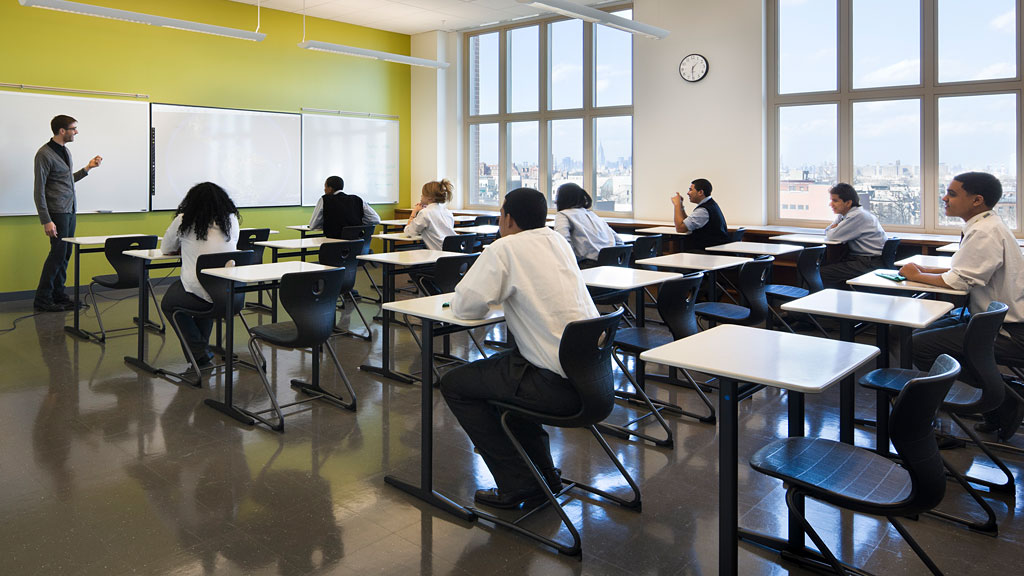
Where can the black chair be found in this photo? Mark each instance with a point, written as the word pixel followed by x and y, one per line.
pixel 737 234
pixel 344 255
pixel 464 243
pixel 613 256
pixel 808 267
pixel 889 249
pixel 217 288
pixel 862 481
pixel 485 221
pixel 126 275
pixel 676 304
pixel 751 282
pixel 364 233
pixel 982 391
pixel 247 240
pixel 646 246
pixel 310 299
pixel 584 355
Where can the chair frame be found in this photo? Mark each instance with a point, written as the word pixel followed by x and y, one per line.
pixel 334 254
pixel 113 248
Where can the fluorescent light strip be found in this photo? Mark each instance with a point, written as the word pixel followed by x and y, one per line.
pixel 372 54
pixel 566 8
pixel 140 18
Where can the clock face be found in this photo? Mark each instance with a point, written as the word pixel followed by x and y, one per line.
pixel 694 67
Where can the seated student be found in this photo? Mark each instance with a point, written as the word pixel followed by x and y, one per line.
pixel 706 224
pixel 859 230
pixel 206 223
pixel 532 273
pixel 989 265
pixel 586 232
pixel 336 210
pixel 430 218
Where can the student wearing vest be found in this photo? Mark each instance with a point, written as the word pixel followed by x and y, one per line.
pixel 706 224
pixel 336 210
pixel 859 230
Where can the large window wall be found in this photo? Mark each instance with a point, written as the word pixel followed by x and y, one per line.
pixel 549 102
pixel 895 97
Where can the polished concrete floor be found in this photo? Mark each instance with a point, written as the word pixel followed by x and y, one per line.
pixel 107 470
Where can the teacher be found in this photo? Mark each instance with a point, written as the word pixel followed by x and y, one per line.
pixel 54 194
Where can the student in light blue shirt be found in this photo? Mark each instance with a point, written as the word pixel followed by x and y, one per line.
pixel 859 230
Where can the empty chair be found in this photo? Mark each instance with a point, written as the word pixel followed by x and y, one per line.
pixel 737 234
pixel 126 275
pixel 485 221
pixel 310 299
pixel 464 243
pixel 584 353
pixel 889 249
pixel 343 255
pixel 751 282
pixel 808 267
pixel 364 233
pixel 613 256
pixel 862 481
pixel 247 239
pixel 646 246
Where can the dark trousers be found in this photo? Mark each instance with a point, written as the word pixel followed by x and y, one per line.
pixel 55 267
pixel 508 377
pixel 836 275
pixel 195 331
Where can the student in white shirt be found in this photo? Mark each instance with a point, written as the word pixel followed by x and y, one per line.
pixel 586 232
pixel 206 223
pixel 363 216
pixel 989 265
pixel 532 272
pixel 859 230
pixel 430 218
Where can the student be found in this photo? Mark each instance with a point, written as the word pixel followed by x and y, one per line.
pixel 706 224
pixel 206 223
pixel 586 232
pixel 859 230
pixel 532 273
pixel 342 210
pixel 430 218
pixel 989 265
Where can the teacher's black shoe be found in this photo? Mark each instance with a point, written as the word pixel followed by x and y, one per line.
pixel 47 306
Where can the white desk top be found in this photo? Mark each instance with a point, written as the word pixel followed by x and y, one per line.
pixel 638 221
pixel 773 358
pixel 88 240
pixel 922 237
pixel 871 280
pixel 954 246
pixel 297 243
pixel 619 278
pixel 871 307
pixel 627 238
pixel 395 222
pixel 482 229
pixel 407 257
pixel 300 227
pixel 755 248
pixel 154 254
pixel 247 229
pixel 805 239
pixel 690 261
pixel 667 230
pixel 432 308
pixel 263 272
pixel 397 236
pixel 931 261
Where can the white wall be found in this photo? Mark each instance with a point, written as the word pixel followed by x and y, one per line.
pixel 436 113
pixel 711 129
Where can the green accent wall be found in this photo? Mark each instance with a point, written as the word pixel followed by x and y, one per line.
pixel 49 48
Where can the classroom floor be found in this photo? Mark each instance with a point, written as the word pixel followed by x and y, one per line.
pixel 106 470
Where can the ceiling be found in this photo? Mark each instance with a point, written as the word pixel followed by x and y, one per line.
pixel 413 16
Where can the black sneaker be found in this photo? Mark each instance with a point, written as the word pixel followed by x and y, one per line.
pixel 48 306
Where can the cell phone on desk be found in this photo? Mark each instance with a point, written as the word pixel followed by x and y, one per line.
pixel 893 277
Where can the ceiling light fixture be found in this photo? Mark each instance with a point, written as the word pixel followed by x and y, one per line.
pixel 566 8
pixel 372 54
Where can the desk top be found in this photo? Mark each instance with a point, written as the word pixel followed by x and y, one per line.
pixel 773 358
pixel 248 229
pixel 814 239
pixel 755 248
pixel 407 257
pixel 689 261
pixel 954 246
pixel 300 227
pixel 88 240
pixel 432 308
pixel 924 238
pixel 263 272
pixel 619 278
pixel 154 254
pixel 667 230
pixel 931 261
pixel 871 307
pixel 297 243
pixel 627 238
pixel 397 236
pixel 482 229
pixel 871 280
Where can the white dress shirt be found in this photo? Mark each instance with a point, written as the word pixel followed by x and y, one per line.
pixel 859 230
pixel 989 264
pixel 434 223
pixel 534 276
pixel 586 232
pixel 192 247
pixel 698 217
pixel 316 222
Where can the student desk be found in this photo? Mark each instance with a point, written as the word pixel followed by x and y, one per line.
pixel 148 260
pixel 301 247
pixel 755 248
pixel 955 246
pixel 87 245
pixel 305 231
pixel 619 278
pixel 794 362
pixel 884 311
pixel 666 230
pixel 811 239
pixel 259 274
pixel 627 238
pixel 709 263
pixel 483 229
pixel 872 281
pixel 928 261
pixel 391 240
pixel 401 222
pixel 431 310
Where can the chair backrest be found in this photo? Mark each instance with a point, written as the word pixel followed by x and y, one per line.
pixel 449 270
pixel 615 256
pixel 126 267
pixel 217 288
pixel 912 433
pixel 343 255
pixel 341 211
pixel 459 243
pixel 753 277
pixel 808 266
pixel 361 232
pixel 485 221
pixel 676 301
pixel 979 357
pixel 585 353
pixel 737 234
pixel 310 299
pixel 646 246
pixel 889 252
pixel 247 241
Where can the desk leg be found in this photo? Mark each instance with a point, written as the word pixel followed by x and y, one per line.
pixel 796 430
pixel 228 406
pixel 75 330
pixel 906 347
pixel 728 471
pixel 139 361
pixel 385 341
pixel 639 307
pixel 847 391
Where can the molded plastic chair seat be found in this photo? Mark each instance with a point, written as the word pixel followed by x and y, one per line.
pixel 282 334
pixel 345 255
pixel 637 340
pixel 751 280
pixel 126 275
pixel 785 291
pixel 890 380
pixel 724 312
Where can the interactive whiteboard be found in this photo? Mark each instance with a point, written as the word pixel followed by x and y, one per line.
pixel 363 151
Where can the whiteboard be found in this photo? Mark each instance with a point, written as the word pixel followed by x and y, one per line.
pixel 363 151
pixel 117 130
pixel 255 156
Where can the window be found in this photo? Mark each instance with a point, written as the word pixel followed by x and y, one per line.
pixel 859 94
pixel 547 103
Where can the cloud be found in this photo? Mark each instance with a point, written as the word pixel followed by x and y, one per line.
pixel 898 74
pixel 1004 22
